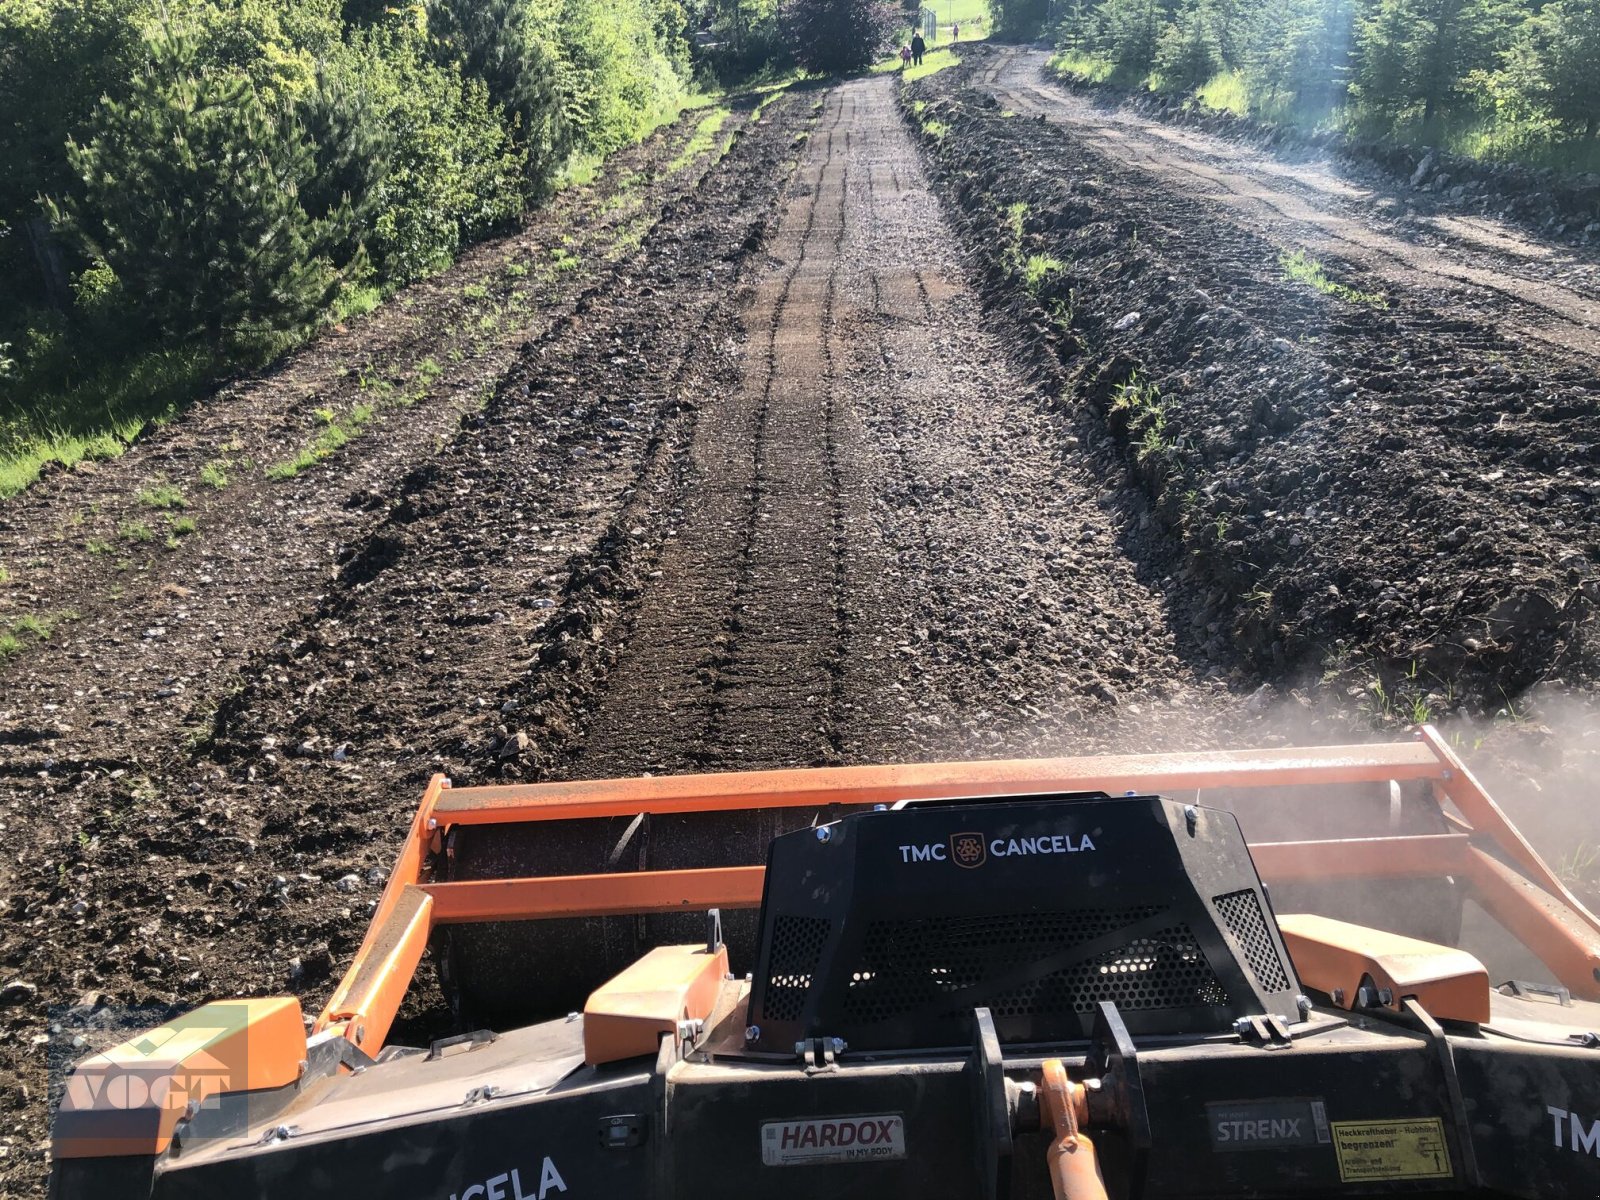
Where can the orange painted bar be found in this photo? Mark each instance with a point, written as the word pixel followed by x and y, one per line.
pixel 407 870
pixel 820 787
pixel 620 894
pixel 624 893
pixel 1561 939
pixel 1423 855
pixel 1487 817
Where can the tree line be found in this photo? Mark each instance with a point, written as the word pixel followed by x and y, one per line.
pixel 1493 76
pixel 227 172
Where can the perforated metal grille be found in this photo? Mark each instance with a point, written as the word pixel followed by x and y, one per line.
pixel 1242 912
pixel 797 944
pixel 909 965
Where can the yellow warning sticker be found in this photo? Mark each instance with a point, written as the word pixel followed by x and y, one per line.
pixel 1412 1148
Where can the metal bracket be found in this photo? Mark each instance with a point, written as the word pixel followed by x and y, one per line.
pixel 1119 1101
pixel 989 1107
pixel 713 930
pixel 1452 1081
pixel 819 1054
pixel 1522 989
pixel 1269 1032
pixel 478 1037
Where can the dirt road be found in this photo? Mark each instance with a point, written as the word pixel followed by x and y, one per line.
pixel 797 472
pixel 884 551
pixel 1525 286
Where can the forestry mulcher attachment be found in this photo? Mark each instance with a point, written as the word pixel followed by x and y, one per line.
pixel 1063 977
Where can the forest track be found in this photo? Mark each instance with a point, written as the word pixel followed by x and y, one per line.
pixel 1525 286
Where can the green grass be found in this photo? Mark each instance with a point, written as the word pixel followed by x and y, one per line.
pixel 1147 417
pixel 179 528
pixel 475 292
pixel 163 496
pixel 563 259
pixel 136 531
pixel 99 546
pixel 355 302
pixel 932 63
pixel 30 630
pixel 583 168
pixel 515 270
pixel 1086 68
pixel 705 133
pixel 214 474
pixel 1037 269
pixel 937 130
pixel 1226 91
pixel 1300 267
pixel 97 417
pixel 334 435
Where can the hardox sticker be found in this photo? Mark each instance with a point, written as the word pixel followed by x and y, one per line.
pixel 872 1138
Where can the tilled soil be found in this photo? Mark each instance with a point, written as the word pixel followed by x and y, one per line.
pixel 1397 477
pixel 808 477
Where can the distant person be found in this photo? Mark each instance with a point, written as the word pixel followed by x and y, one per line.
pixel 918 49
pixel 955 33
pixel 905 57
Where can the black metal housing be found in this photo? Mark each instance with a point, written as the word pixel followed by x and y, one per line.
pixel 886 929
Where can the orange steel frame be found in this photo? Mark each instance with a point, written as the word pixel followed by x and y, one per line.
pixel 1507 877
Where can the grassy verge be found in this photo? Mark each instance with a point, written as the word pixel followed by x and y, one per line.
pixel 705 133
pixel 98 417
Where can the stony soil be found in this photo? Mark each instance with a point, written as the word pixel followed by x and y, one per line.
pixel 803 474
pixel 1401 477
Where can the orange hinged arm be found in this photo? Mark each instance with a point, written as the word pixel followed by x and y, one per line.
pixel 823 786
pixel 1487 819
pixel 1560 938
pixel 379 942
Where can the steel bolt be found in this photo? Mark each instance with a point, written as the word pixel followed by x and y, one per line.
pixel 1303 1003
pixel 752 1033
pixel 824 833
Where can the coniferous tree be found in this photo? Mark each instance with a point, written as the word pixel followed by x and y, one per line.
pixel 496 41
pixel 191 194
pixel 1188 52
pixel 1565 38
pixel 1419 53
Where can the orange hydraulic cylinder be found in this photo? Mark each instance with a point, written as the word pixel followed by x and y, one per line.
pixel 1074 1167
